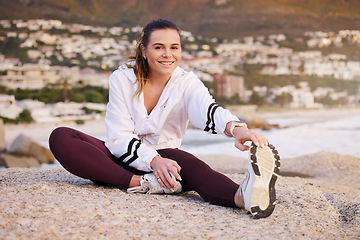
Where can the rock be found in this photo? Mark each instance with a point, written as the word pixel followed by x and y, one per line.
pixel 259 123
pixel 2 163
pixel 54 204
pixel 248 114
pixel 12 161
pixel 23 145
pixel 41 153
pixel 2 136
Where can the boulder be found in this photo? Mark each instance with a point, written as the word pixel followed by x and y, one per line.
pixel 12 161
pixel 248 113
pixel 24 146
pixel 2 136
pixel 258 122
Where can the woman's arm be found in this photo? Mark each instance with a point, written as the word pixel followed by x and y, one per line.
pixel 120 127
pixel 203 111
pixel 206 114
pixel 243 134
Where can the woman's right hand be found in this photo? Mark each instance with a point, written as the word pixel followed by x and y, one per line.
pixel 162 167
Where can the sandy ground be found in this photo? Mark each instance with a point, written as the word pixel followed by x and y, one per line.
pixel 318 198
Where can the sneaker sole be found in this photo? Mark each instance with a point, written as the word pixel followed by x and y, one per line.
pixel 265 163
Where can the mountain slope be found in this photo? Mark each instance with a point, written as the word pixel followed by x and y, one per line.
pixel 227 18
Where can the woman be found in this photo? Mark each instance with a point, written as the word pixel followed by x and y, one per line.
pixel 151 101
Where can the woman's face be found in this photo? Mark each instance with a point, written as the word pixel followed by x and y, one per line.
pixel 163 52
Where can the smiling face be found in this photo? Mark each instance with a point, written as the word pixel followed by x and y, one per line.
pixel 163 53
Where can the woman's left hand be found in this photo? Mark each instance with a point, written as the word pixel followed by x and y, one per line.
pixel 162 167
pixel 243 134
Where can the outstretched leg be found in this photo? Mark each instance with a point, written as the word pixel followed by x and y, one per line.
pixel 211 185
pixel 87 157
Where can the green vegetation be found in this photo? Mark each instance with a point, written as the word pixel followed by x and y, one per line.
pixel 349 49
pixel 90 94
pixel 253 78
pixel 283 99
pixel 257 99
pixel 328 101
pixel 80 122
pixel 24 117
pixel 256 79
pixel 11 47
pixel 90 111
pixel 61 93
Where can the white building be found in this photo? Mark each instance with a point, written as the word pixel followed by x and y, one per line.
pixel 8 107
pixel 30 76
pixel 301 97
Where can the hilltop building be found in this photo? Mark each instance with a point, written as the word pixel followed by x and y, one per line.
pixel 30 76
pixel 228 85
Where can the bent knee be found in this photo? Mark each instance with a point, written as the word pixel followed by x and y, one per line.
pixel 58 135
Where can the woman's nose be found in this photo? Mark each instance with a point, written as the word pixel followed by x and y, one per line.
pixel 166 53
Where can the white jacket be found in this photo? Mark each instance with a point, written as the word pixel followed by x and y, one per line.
pixel 134 136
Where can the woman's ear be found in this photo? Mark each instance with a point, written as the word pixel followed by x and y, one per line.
pixel 142 47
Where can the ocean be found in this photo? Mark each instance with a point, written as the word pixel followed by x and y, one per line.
pixel 295 137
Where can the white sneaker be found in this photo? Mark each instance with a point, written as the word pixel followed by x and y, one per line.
pixel 258 186
pixel 150 185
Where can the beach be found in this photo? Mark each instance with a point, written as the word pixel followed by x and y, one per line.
pixel 317 198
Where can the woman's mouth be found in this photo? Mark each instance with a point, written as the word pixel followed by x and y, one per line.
pixel 166 63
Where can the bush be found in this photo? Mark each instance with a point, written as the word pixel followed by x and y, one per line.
pixel 80 122
pixel 24 117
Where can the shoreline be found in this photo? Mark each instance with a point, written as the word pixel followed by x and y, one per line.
pixel 323 113
pixel 40 132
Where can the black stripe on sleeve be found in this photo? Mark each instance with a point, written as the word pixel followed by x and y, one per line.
pixel 213 120
pixel 129 152
pixel 210 118
pixel 135 155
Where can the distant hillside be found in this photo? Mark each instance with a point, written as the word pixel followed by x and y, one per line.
pixel 222 18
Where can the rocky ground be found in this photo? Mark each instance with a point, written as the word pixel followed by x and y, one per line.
pixel 318 198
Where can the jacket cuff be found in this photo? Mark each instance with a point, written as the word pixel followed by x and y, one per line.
pixel 233 118
pixel 144 160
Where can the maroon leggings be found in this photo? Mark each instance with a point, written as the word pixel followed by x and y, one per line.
pixel 87 157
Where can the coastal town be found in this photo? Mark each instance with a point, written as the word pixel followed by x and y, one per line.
pixel 39 53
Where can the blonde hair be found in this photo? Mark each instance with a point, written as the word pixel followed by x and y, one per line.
pixel 141 66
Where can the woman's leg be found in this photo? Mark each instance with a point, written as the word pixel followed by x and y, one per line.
pixel 87 157
pixel 212 186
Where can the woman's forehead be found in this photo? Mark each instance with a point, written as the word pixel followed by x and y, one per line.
pixel 168 36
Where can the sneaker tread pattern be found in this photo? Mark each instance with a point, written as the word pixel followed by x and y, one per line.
pixel 256 211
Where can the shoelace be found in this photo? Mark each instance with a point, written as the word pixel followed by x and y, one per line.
pixel 138 189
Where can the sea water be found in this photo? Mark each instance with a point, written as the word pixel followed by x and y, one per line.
pixel 295 137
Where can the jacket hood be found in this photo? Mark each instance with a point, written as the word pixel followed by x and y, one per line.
pixel 128 71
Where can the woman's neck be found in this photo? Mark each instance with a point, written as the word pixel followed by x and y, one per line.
pixel 158 80
pixel 152 92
